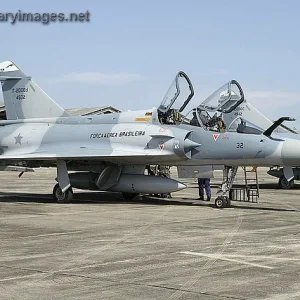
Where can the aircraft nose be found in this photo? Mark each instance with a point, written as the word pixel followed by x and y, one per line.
pixel 290 152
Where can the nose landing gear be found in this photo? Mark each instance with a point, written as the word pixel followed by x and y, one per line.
pixel 222 201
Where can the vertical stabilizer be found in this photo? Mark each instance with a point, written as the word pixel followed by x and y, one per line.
pixel 23 98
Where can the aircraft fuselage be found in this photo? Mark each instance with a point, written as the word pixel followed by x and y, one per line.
pixel 140 143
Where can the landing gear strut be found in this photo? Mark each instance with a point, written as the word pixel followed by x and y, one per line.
pixel 223 199
pixel 62 191
pixel 60 196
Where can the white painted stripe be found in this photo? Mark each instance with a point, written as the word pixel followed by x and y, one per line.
pixel 52 234
pixel 265 256
pixel 21 277
pixel 223 257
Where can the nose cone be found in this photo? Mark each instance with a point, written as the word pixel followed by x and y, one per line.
pixel 290 152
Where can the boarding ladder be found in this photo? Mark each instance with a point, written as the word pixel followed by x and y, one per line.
pixel 250 191
pixel 251 184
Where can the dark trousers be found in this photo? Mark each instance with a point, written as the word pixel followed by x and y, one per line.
pixel 204 183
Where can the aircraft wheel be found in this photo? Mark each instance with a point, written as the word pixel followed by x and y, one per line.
pixel 165 195
pixel 285 184
pixel 61 197
pixel 221 202
pixel 129 196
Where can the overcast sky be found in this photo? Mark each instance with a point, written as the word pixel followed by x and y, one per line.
pixel 130 51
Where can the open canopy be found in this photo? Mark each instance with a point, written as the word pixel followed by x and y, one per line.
pixel 174 106
pixel 225 99
pixel 181 91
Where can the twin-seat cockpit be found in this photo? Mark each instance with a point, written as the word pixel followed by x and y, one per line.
pixel 176 107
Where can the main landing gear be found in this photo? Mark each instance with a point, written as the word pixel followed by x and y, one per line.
pixel 283 183
pixel 60 196
pixel 62 191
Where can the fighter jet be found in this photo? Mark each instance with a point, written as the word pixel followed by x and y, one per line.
pixel 110 152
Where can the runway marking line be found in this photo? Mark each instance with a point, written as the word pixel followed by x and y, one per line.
pixel 223 257
pixel 53 234
pixel 20 277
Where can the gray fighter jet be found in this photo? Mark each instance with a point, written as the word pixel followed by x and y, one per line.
pixel 110 152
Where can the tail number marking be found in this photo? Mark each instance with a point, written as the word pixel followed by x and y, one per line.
pixel 20 93
pixel 20 90
pixel 20 97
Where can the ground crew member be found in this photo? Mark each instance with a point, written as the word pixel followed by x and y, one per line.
pixel 204 183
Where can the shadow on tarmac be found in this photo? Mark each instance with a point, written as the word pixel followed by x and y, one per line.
pixel 271 186
pixel 89 197
pixel 116 198
pixel 264 208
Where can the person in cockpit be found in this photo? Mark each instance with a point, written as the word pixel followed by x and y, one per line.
pixel 221 125
pixel 194 121
pixel 204 117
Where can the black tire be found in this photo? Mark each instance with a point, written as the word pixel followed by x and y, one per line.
pixel 61 197
pixel 129 196
pixel 166 195
pixel 283 183
pixel 221 202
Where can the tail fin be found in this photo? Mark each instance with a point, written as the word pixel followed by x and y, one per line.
pixel 23 98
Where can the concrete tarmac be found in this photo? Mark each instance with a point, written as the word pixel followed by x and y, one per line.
pixel 102 247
